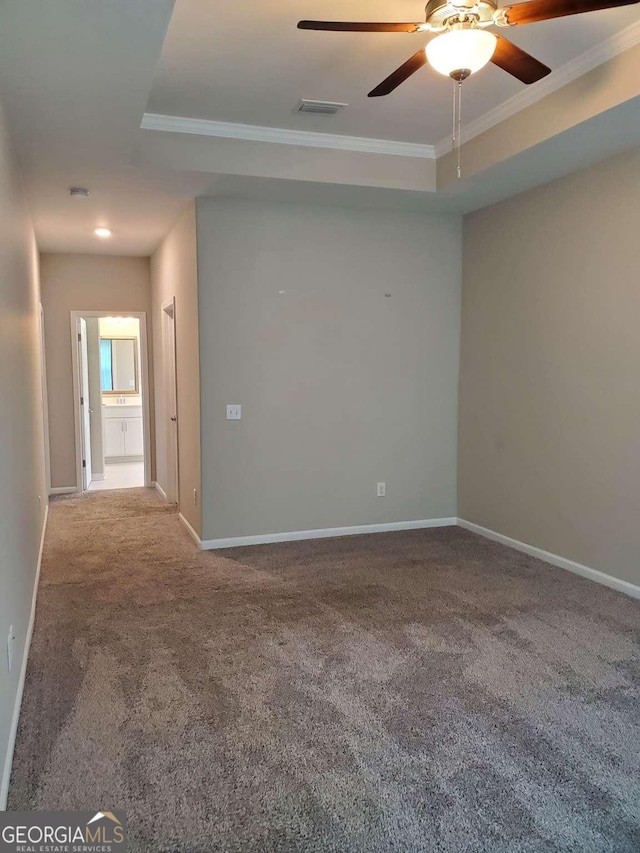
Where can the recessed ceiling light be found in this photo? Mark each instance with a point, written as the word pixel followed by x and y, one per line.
pixel 102 232
pixel 78 192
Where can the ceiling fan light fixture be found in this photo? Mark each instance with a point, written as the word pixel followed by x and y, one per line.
pixel 461 52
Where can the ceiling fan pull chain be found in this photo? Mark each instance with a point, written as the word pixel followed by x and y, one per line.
pixel 459 127
pixel 453 119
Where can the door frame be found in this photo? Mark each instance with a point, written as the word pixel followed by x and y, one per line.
pixel 45 400
pixel 170 383
pixel 85 409
pixel 145 386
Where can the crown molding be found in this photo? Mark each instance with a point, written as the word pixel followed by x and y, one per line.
pixel 603 52
pixel 284 136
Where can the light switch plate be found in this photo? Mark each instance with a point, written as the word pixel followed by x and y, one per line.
pixel 234 411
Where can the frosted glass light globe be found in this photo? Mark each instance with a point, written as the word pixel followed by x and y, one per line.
pixel 461 50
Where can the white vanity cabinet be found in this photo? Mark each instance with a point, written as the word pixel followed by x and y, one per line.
pixel 123 434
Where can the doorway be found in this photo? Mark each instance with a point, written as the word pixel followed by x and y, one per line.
pixel 111 400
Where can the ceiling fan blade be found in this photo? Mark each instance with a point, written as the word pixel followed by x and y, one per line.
pixel 359 27
pixel 517 62
pixel 544 10
pixel 400 74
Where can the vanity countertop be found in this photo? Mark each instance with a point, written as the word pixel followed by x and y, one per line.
pixel 134 402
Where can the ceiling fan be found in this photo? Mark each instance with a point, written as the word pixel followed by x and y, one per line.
pixel 463 44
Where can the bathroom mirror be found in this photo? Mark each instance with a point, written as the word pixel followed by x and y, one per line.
pixel 119 366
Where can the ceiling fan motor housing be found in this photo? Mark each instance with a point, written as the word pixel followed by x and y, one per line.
pixel 439 13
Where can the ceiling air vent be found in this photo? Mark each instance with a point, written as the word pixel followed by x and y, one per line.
pixel 319 108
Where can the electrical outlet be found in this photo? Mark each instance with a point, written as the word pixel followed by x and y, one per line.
pixel 234 412
pixel 195 497
pixel 10 640
pixel 382 487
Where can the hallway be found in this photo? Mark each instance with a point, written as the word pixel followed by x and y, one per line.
pixel 334 695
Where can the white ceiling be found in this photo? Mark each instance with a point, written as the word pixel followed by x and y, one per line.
pixel 76 77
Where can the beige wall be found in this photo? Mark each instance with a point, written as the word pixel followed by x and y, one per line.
pixel 174 274
pixel 341 386
pixel 81 283
pixel 549 449
pixel 23 496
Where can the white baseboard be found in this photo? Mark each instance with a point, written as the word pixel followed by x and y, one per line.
pixel 159 490
pixel 97 476
pixel 190 530
pixel 561 562
pixel 63 490
pixel 8 761
pixel 324 533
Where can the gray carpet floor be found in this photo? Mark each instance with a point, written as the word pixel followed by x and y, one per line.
pixel 419 691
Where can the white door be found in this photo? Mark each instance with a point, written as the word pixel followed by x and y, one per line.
pixel 133 437
pixel 170 397
pixel 85 412
pixel 113 437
